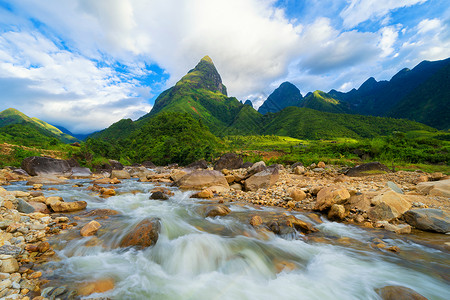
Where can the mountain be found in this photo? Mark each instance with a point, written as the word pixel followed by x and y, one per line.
pixel 322 101
pixel 201 94
pixel 285 95
pixel 248 102
pixel 12 116
pixel 395 97
pixel 118 130
pixel 81 137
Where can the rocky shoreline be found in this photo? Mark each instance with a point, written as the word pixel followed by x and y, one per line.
pixel 400 202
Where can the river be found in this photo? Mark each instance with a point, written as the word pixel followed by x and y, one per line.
pixel 226 258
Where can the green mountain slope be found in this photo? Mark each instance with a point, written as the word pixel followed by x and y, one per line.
pixel 285 95
pixel 118 130
pixel 305 123
pixel 324 102
pixel 429 103
pixel 12 116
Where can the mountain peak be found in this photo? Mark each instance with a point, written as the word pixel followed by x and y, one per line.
pixel 285 95
pixel 207 59
pixel 205 76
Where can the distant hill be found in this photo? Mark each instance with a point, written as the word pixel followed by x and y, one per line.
pixel 285 95
pixel 417 94
pixel 81 137
pixel 324 102
pixel 118 130
pixel 12 116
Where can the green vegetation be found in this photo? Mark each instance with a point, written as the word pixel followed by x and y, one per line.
pixel 324 102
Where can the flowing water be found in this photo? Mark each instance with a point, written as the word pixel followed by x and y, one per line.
pixel 225 258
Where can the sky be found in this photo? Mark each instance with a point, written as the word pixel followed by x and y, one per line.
pixel 85 64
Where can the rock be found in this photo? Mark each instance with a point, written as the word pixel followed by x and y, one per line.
pixel 328 196
pixel 256 168
pixel 21 172
pixel 8 264
pixel 230 178
pixel 399 229
pixel 247 165
pixel 236 186
pixel 99 286
pixel 394 205
pixel 395 292
pixel 99 212
pixel 216 210
pixel 90 228
pixel 148 164
pixel 201 179
pixel 256 221
pixel 372 168
pixel 337 212
pixel 107 192
pixel 43 247
pixel 159 196
pixel 115 165
pixel 299 170
pixel 394 187
pixel 428 219
pixel 199 164
pixel 120 174
pixel 39 207
pixel 358 202
pixel 79 172
pixel 14 251
pixel 177 174
pixel 262 180
pixel 301 225
pixel 297 195
pixel 321 164
pixel 68 206
pixel 206 193
pixel 24 207
pixel 143 235
pixel 37 165
pixel 46 179
pixel 52 200
pixel 228 161
pixel 435 188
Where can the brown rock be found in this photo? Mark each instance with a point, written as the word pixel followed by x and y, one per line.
pixel 435 188
pixel 99 286
pixel 90 228
pixel 159 196
pixel 297 195
pixel 102 181
pixel 68 206
pixel 230 178
pixel 205 194
pixel 120 174
pixel 201 179
pixel 43 247
pixel 337 212
pixel 388 206
pixel 301 225
pixel 372 168
pixel 216 210
pixel 177 174
pixel 321 164
pixel 262 180
pixel 143 235
pixel 329 196
pixel 228 161
pixel 256 221
pixel 52 200
pixel 299 170
pixel 101 212
pixel 358 201
pixel 107 192
pixel 39 207
pixel 395 292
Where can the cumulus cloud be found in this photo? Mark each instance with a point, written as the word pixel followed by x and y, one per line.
pixel 359 11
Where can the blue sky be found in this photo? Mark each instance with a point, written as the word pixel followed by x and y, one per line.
pixel 84 64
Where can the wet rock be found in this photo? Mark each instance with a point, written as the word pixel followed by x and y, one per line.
pixel 68 206
pixel 337 212
pixel 205 194
pixel 199 164
pixel 328 196
pixel 8 264
pixel 395 292
pixel 262 180
pixel 98 286
pixel 107 192
pixel 177 174
pixel 52 200
pixel 143 235
pixel 434 220
pixel 256 168
pixel 372 168
pixel 399 229
pixel 256 221
pixel 216 210
pixel 435 188
pixel 46 179
pixel 39 207
pixel 14 251
pixel 120 174
pixel 37 165
pixel 79 172
pixel 159 196
pixel 201 179
pixel 24 207
pixel 301 225
pixel 100 212
pixel 90 228
pixel 228 161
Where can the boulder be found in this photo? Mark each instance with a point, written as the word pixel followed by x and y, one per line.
pixel 372 168
pixel 120 174
pixel 39 207
pixel 115 165
pixel 328 196
pixel 388 206
pixel 90 228
pixel 262 180
pixel 38 165
pixel 79 172
pixel 201 179
pixel 45 179
pixel 93 287
pixel 297 195
pixel 359 202
pixel 321 164
pixel 256 168
pixel 101 212
pixel 21 172
pixel 435 188
pixel 24 207
pixel 399 229
pixel 68 206
pixel 247 165
pixel 337 212
pixel 177 174
pixel 216 210
pixel 395 292
pixel 143 235
pixel 158 195
pixel 148 164
pixel 426 219
pixel 8 264
pixel 206 193
pixel 199 164
pixel 228 161
pixel 301 225
pixel 256 221
pixel 299 170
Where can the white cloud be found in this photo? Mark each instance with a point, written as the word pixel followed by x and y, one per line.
pixel 359 11
pixel 389 36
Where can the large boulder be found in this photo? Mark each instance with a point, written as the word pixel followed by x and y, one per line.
pixel 216 210
pixel 426 219
pixel 229 161
pixel 388 206
pixel 115 165
pixel 201 179
pixel 120 174
pixel 328 196
pixel 256 168
pixel 262 180
pixel 38 165
pixel 359 202
pixel 45 179
pixel 435 188
pixel 199 164
pixel 395 292
pixel 79 172
pixel 143 235
pixel 372 168
pixel 59 206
